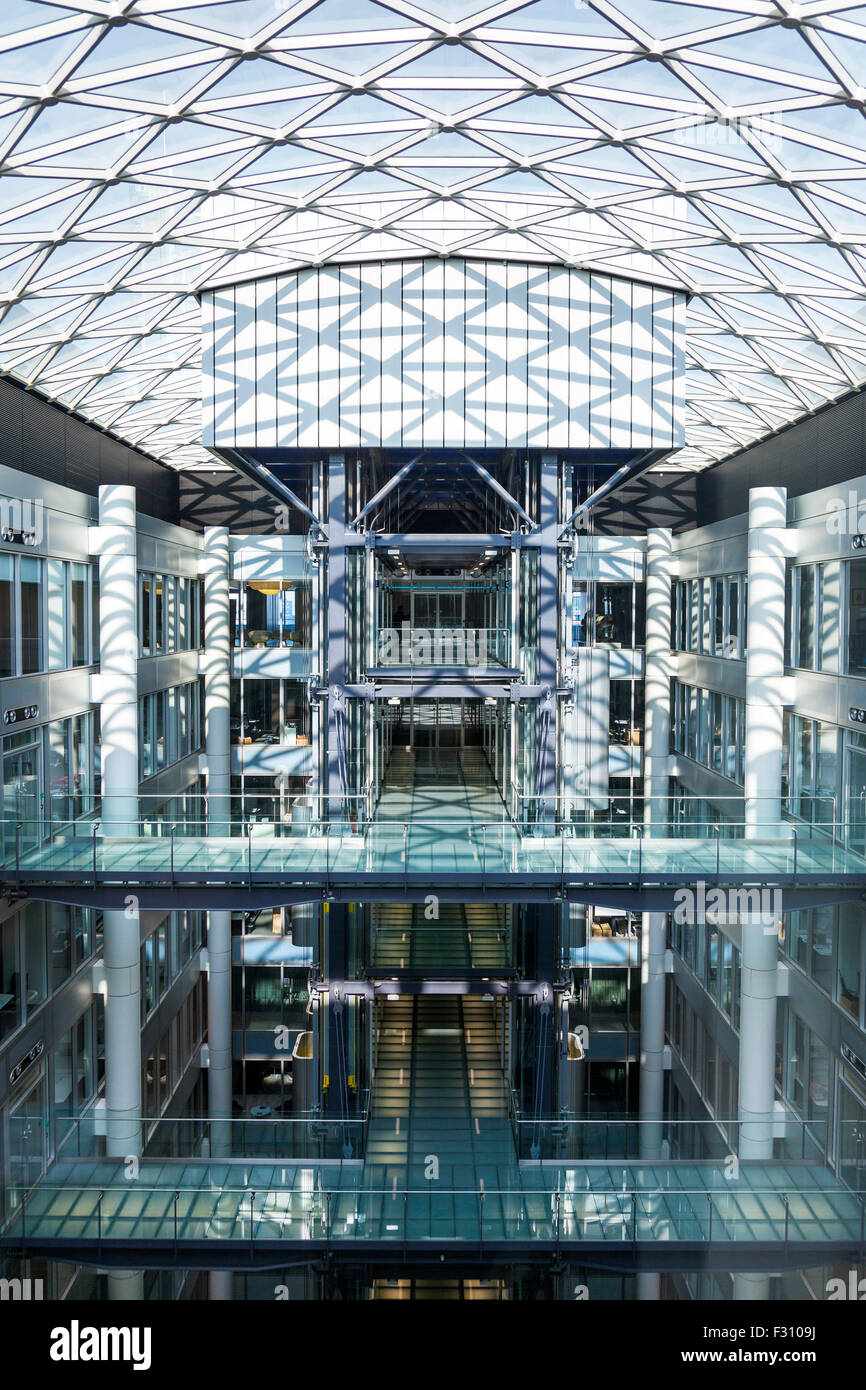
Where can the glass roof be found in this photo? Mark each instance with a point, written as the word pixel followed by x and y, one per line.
pixel 148 149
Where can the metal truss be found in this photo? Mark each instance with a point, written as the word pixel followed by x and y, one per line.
pixel 148 149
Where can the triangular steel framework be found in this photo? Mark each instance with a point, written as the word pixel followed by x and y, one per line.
pixel 147 149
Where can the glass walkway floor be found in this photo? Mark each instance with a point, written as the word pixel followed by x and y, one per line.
pixel 453 852
pixel 439 818
pixel 595 1205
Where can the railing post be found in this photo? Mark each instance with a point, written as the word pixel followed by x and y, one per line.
pixel 639 855
pixel 794 834
pixel 93 838
pixel 787 1215
pixel 562 857
pixel 405 857
pixel 718 849
pixel 250 854
pixel 252 1220
pixel 634 1218
pixel 171 852
pixel 99 1220
pixel 710 1229
pixel 174 1214
pixel 483 853
pixel 18 857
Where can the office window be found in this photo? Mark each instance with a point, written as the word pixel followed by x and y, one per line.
pixel 856 617
pixel 31 615
pixel 733 647
pixel 94 612
pixel 709 615
pixel 85 1060
pixel 7 608
pixel 829 633
pixel 718 625
pixel 81 764
pixel 10 977
pixel 58 620
pixel 850 967
pixel 57 737
pixel 159 615
pixel 605 614
pixel 64 1100
pixel 144 613
pixel 146 760
pixel 59 943
pixel 78 612
pixel 35 964
pixel 811 769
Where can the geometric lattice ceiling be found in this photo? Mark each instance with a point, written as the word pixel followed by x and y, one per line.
pixel 147 149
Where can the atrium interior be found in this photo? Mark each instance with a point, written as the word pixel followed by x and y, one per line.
pixel 432 651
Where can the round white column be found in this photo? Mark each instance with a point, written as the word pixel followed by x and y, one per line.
pixel 217 696
pixel 765 656
pixel 765 670
pixel 216 669
pixel 125 1285
pixel 118 712
pixel 657 726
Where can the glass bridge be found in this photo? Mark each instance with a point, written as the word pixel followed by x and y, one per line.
pixel 266 1206
pixel 437 818
pixel 460 850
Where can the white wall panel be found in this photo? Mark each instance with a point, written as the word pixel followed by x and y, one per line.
pixel 245 365
pixel 620 363
pixel 497 354
pixel 412 375
pixel 477 369
pixel 208 369
pixel 642 366
pixel 391 395
pixel 290 347
pixel 370 354
pixel 538 335
pixel 224 384
pixel 600 367
pixel 558 360
pixel 266 359
pixel 517 354
pixel 329 355
pixel 350 357
pixel 453 354
pixel 432 352
pixel 578 357
pixel 307 379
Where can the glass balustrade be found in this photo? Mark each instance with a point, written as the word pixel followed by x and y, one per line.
pixel 309 848
pixel 406 647
pixel 691 1203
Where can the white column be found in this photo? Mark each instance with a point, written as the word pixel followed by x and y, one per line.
pixel 125 1285
pixel 657 673
pixel 118 711
pixel 217 697
pixel 765 669
pixel 765 656
pixel 217 673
